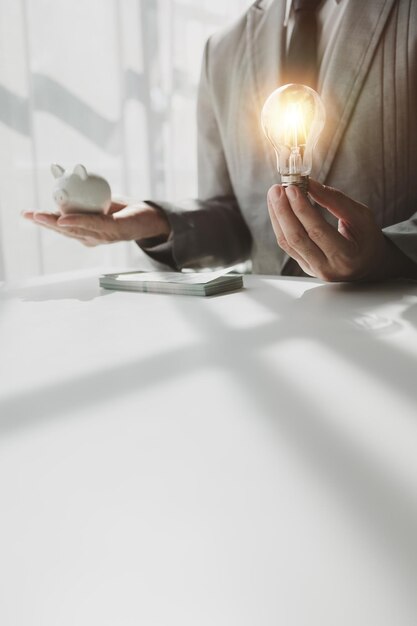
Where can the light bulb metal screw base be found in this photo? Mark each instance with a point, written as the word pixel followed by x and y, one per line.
pixel 295 179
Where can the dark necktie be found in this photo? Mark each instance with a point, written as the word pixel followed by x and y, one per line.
pixel 301 59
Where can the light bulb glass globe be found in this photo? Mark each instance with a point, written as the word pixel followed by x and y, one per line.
pixel 292 118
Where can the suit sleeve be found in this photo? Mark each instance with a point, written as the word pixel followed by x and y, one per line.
pixel 210 231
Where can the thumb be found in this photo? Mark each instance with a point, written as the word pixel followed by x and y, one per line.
pixel 340 205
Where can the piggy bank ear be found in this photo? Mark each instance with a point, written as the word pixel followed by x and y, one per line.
pixel 57 170
pixel 81 171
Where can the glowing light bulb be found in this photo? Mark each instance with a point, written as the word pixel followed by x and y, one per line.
pixel 292 118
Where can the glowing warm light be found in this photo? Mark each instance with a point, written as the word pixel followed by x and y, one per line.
pixel 295 125
pixel 292 119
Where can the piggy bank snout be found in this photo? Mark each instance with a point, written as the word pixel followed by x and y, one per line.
pixel 61 197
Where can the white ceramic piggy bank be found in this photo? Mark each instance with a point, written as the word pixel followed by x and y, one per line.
pixel 80 192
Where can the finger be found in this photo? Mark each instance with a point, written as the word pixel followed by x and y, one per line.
pixel 327 238
pixel 31 214
pixel 83 232
pixel 340 205
pixel 47 219
pixel 295 233
pixel 282 242
pixel 79 233
pixel 75 233
pixel 99 236
pixel 115 207
pixel 94 222
pixel 46 224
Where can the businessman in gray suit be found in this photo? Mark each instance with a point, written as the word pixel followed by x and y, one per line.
pixel 364 172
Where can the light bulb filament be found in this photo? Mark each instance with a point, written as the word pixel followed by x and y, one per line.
pixel 295 124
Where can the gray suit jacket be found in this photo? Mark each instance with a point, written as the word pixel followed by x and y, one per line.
pixel 368 148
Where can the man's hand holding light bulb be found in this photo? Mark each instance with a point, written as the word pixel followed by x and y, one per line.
pixel 292 118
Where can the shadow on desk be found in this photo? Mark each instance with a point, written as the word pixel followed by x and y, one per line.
pixel 342 317
pixel 338 316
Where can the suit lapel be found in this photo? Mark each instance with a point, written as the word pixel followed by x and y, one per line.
pixel 360 31
pixel 266 37
pixel 265 45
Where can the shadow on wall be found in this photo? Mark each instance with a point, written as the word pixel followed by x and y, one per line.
pixel 51 97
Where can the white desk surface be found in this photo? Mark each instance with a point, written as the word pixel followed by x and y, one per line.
pixel 243 460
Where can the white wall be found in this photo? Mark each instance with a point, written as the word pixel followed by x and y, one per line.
pixel 108 83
